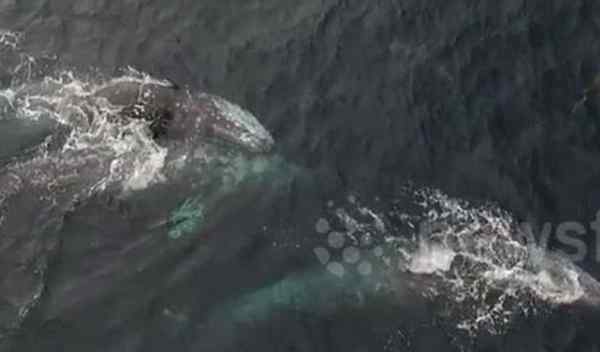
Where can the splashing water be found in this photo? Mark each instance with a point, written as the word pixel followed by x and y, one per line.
pixel 80 149
pixel 58 147
pixel 135 159
pixel 66 101
pixel 467 258
pixel 9 39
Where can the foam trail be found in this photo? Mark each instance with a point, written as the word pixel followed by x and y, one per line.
pixel 470 257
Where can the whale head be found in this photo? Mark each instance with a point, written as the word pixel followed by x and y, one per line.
pixel 224 120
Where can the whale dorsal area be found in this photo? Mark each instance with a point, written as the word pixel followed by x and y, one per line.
pixel 130 92
pixel 150 101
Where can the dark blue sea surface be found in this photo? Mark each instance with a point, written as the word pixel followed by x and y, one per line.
pixel 411 140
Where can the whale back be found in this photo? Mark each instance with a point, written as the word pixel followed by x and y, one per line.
pixel 176 114
pixel 232 123
pixel 150 101
pixel 131 92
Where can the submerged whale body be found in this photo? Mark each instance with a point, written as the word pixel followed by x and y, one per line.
pixel 174 113
pixel 37 191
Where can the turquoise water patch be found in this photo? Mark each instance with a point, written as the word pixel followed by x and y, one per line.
pixel 227 177
pixel 187 218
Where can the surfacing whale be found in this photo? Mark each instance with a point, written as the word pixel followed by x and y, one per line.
pixel 36 193
pixel 178 114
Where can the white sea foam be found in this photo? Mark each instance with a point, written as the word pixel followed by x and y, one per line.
pixel 468 256
pixel 10 39
pixel 135 159
pixel 431 258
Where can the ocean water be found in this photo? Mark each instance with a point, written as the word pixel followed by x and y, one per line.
pixel 111 241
